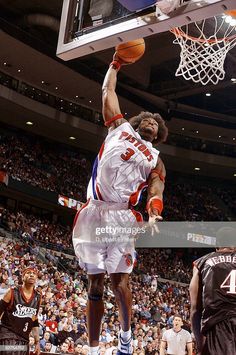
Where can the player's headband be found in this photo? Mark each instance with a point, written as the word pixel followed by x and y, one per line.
pixel 32 269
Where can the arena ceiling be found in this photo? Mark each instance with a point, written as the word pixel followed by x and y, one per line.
pixel 28 43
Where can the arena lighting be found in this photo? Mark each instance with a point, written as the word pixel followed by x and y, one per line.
pixel 29 123
pixel 208 94
pixel 42 81
pixel 233 138
pixel 77 96
pixel 72 138
pixel 19 70
pixel 235 175
pixel 233 80
pixel 182 128
pixel 90 101
pixel 219 136
pixel 197 169
pixel 56 88
pixel 197 132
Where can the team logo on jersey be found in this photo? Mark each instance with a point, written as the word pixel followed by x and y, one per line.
pixel 128 259
pixel 24 312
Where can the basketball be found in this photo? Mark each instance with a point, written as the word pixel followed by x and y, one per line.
pixel 131 51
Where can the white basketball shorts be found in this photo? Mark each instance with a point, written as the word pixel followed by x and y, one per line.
pixel 104 237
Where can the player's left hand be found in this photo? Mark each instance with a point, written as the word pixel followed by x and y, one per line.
pixel 154 217
pixel 37 349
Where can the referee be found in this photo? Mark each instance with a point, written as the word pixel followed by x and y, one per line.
pixel 176 339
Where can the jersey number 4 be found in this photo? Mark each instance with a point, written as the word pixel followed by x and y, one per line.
pixel 230 282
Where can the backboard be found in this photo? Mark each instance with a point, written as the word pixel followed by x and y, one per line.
pixel 89 26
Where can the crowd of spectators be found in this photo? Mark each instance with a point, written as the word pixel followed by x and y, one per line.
pixel 188 201
pixel 38 230
pixel 202 145
pixel 42 165
pixel 40 233
pixel 88 114
pixel 62 315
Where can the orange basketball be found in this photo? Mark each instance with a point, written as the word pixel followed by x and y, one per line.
pixel 231 13
pixel 131 51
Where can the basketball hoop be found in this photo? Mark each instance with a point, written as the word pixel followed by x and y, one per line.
pixel 202 56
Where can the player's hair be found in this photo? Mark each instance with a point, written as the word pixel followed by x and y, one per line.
pixel 178 316
pixel 162 129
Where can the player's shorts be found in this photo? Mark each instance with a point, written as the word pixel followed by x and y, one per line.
pixel 104 237
pixel 221 339
pixel 12 344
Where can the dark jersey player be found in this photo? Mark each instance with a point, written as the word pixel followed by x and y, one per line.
pixel 18 312
pixel 213 301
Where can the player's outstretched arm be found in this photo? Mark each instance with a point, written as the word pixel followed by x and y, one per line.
pixel 195 290
pixel 110 103
pixel 4 303
pixel 156 185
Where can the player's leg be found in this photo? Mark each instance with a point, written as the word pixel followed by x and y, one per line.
pixel 95 310
pixel 123 295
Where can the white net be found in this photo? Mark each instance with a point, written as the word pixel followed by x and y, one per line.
pixel 203 55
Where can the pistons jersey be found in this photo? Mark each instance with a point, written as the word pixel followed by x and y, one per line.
pixel 122 167
pixel 21 313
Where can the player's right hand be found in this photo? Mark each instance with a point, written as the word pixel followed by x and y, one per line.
pixel 121 61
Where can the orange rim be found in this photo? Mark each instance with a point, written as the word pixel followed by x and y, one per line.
pixel 178 32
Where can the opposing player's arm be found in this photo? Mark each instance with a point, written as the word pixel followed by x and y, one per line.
pixel 195 290
pixel 110 104
pixel 4 303
pixel 156 185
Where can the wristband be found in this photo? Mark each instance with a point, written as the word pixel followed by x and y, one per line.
pixel 155 203
pixel 116 65
pixel 113 119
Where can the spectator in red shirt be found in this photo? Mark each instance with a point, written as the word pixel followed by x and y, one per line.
pixel 52 328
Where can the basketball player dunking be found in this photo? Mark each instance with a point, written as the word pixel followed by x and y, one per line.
pixel 126 161
pixel 18 312
pixel 213 300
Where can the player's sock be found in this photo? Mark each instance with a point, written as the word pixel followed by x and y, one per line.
pixel 125 335
pixel 94 350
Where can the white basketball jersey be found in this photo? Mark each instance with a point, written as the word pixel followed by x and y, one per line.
pixel 122 166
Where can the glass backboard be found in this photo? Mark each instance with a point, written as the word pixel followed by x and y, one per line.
pixel 89 26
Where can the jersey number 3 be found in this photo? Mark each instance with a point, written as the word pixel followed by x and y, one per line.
pixel 26 327
pixel 230 282
pixel 128 154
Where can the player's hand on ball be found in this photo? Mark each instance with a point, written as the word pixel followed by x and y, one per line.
pixel 121 61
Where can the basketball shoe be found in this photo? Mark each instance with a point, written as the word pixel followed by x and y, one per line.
pixel 125 348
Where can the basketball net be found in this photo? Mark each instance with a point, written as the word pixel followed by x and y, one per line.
pixel 202 57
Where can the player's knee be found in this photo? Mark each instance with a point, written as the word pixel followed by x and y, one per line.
pixel 120 288
pixel 95 290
